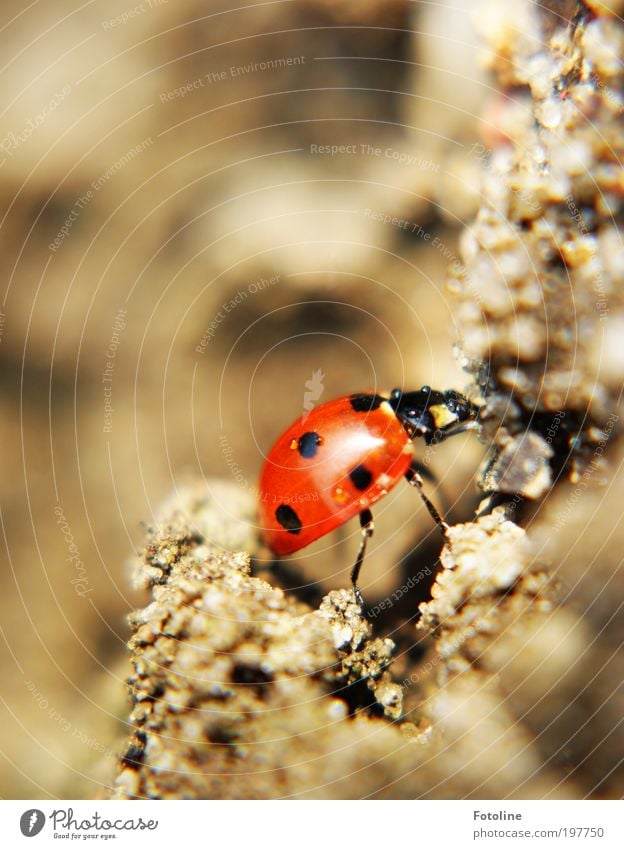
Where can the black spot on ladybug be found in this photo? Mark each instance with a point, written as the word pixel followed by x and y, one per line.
pixel 288 519
pixel 360 477
pixel 365 403
pixel 308 444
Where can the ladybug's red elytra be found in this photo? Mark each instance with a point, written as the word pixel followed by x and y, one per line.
pixel 336 461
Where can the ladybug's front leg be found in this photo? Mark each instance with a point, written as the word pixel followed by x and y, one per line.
pixel 368 526
pixel 424 471
pixel 492 496
pixel 413 478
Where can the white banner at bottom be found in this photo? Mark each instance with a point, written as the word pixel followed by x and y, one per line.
pixel 596 824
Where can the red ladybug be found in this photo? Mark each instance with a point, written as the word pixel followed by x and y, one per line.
pixel 336 461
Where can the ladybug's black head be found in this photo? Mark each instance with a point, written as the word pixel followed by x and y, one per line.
pixel 433 415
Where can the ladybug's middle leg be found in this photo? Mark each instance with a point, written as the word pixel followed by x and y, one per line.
pixel 414 478
pixel 368 526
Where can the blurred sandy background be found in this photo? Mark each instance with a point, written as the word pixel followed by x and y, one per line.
pixel 197 209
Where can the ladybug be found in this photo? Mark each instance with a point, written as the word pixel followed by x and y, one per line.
pixel 340 458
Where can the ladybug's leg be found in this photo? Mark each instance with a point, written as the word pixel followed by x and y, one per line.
pixel 490 464
pixel 367 525
pixel 437 436
pixel 414 479
pixel 498 499
pixel 424 471
pixel 492 497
